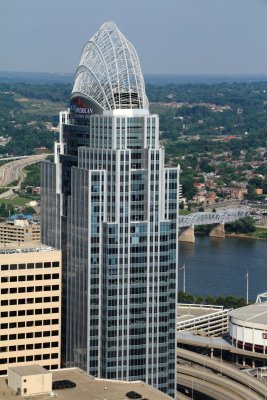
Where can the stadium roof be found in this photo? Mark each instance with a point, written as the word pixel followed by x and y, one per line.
pixel 252 314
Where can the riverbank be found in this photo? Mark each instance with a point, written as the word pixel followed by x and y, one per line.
pixel 244 236
pixel 254 235
pixel 259 233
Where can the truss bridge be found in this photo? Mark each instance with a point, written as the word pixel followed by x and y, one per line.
pixel 218 219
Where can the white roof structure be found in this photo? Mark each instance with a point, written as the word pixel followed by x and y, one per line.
pixel 109 72
pixel 253 313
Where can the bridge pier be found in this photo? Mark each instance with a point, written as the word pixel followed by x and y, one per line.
pixel 218 231
pixel 187 234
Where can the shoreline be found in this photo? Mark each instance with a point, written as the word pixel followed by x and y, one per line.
pixel 243 236
pixel 235 235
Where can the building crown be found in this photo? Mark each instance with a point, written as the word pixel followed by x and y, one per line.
pixel 109 74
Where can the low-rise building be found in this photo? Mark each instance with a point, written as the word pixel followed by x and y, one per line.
pixel 238 193
pixel 30 306
pixel 210 196
pixel 258 191
pixel 19 229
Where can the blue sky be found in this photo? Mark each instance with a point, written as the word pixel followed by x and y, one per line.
pixel 170 36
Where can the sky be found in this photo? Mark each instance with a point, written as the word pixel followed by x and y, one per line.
pixel 215 37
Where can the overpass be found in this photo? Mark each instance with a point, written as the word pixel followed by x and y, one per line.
pixel 217 390
pixel 218 218
pixel 217 378
pixel 13 171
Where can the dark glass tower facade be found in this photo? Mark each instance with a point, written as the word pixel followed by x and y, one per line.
pixel 112 207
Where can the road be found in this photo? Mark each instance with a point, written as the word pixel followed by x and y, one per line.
pixel 13 171
pixel 222 382
pixel 249 382
pixel 209 389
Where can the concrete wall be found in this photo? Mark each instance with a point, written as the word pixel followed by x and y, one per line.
pixel 245 334
pixel 29 384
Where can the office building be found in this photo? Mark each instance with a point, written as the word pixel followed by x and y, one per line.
pixel 112 207
pixel 30 305
pixel 19 228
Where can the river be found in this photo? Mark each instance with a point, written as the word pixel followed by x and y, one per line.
pixel 217 267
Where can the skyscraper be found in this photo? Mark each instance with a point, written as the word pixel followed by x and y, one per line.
pixel 112 207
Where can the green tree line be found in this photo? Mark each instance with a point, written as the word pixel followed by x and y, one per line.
pixel 225 301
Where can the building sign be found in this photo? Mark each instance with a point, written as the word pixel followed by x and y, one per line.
pixel 264 335
pixel 79 109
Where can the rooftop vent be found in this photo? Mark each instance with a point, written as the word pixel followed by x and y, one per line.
pixel 65 384
pixel 133 395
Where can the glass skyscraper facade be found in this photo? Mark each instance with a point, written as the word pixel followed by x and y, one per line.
pixel 112 207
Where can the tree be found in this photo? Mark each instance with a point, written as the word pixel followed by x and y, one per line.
pixel 243 225
pixel 181 205
pixel 28 210
pixel 188 188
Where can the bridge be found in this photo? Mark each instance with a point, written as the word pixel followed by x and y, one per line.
pixel 218 218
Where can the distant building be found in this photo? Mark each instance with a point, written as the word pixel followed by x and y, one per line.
pixel 231 137
pixel 41 150
pixel 19 228
pixel 199 198
pixel 258 191
pixel 210 196
pixel 237 193
pixel 199 185
pixel 30 288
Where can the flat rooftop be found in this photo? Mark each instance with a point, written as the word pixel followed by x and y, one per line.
pixel 24 247
pixel 29 370
pixel 254 313
pixel 88 388
pixel 186 312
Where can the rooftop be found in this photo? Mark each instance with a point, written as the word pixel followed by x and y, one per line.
pixel 254 313
pixel 89 388
pixel 21 247
pixel 187 312
pixel 29 370
pixel 20 216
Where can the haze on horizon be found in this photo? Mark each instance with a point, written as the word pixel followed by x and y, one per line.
pixel 171 37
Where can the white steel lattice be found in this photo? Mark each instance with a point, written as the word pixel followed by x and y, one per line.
pixel 206 218
pixel 109 72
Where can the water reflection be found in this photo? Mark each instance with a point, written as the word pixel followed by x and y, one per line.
pixel 218 266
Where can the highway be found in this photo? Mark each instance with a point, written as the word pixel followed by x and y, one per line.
pixel 13 170
pixel 209 389
pixel 194 341
pixel 181 396
pixel 222 382
pixel 247 381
